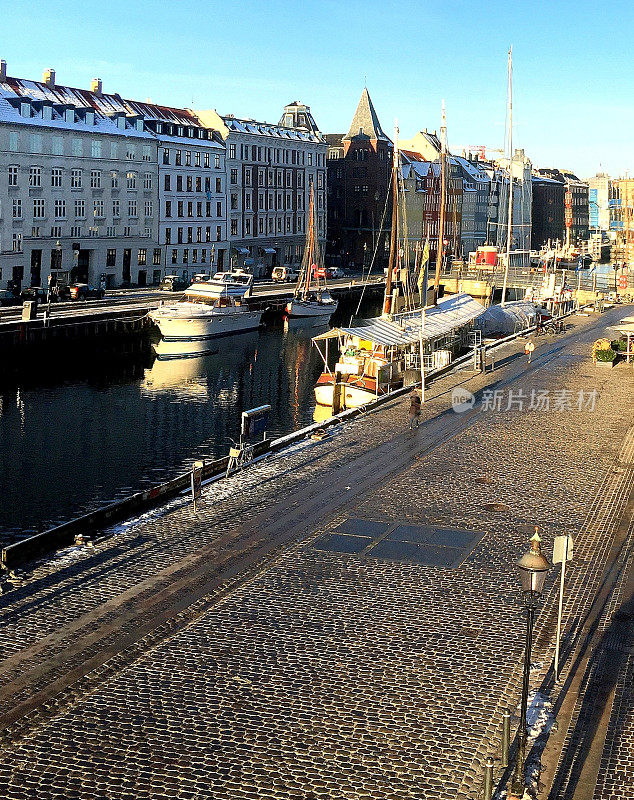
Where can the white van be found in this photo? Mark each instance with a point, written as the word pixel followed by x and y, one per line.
pixel 285 274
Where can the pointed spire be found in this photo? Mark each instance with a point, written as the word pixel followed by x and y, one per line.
pixel 365 121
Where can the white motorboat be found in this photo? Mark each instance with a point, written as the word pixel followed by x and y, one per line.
pixel 189 326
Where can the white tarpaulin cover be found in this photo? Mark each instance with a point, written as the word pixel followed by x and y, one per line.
pixel 405 328
pixel 507 319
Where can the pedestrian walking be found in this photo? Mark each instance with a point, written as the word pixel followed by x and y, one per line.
pixel 414 410
pixel 528 349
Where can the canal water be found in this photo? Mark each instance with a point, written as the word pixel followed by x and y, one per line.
pixel 74 437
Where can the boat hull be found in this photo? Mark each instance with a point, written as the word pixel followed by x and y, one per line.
pixel 311 308
pixel 200 328
pixel 355 395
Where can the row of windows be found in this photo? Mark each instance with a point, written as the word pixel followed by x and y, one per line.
pixel 277 155
pixel 79 207
pixel 56 232
pixel 284 201
pixel 191 183
pixel 272 225
pixel 34 143
pixel 186 235
pixel 142 257
pixel 77 178
pixel 190 211
pixel 194 256
pixel 184 159
pixel 276 178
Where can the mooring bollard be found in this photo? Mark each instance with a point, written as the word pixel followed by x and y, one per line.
pixel 506 738
pixel 488 779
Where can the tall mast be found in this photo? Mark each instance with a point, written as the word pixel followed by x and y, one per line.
pixel 509 228
pixel 387 302
pixel 443 200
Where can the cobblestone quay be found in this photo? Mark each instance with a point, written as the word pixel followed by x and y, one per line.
pixel 271 647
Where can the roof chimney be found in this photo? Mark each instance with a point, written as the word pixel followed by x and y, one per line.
pixel 49 77
pixel 3 71
pixel 96 86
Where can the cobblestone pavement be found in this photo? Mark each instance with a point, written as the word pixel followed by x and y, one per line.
pixel 310 674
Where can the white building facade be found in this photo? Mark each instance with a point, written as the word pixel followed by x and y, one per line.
pixel 269 171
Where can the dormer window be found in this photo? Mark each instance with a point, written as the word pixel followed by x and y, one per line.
pixel 159 127
pixel 180 130
pixel 25 109
pixel 69 115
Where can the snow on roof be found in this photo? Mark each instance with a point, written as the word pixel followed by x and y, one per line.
pixel 267 129
pixel 406 328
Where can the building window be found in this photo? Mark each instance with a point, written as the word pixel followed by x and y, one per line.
pixel 147 152
pixel 190 235
pixel 199 209
pixel 13 143
pixel 179 183
pixel 218 185
pixel 17 208
pixel 116 209
pixel 56 178
pixel 35 177
pixel 13 176
pixel 232 151
pixel 142 257
pixel 234 201
pixel 199 234
pixel 111 257
pixel 147 180
pixel 36 142
pixel 174 256
pixel 130 153
pixel 218 209
pixel 194 256
pixel 166 156
pixel 199 184
pixel 179 236
pixel 132 212
pixel 75 230
pixel 190 183
pixel 38 209
pixel 149 208
pixel 218 233
pixel 97 208
pixel 203 256
pixel 17 243
pixel 179 208
pixel 156 257
pixel 207 160
pixel 168 209
pixel 179 158
pixel 185 256
pixel 197 159
pixel 131 180
pixel 167 183
pixel 95 148
pixel 234 227
pixel 60 209
pixel 168 235
pixel 114 180
pixel 95 179
pixel 80 209
pixel 207 209
pixel 234 176
pixel 188 158
pixel 217 159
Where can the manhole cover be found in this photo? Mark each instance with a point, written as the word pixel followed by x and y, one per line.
pixel 496 507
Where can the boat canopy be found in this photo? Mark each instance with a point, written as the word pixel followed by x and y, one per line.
pixel 405 328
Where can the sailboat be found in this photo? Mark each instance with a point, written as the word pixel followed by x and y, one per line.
pixel 310 299
pixel 376 355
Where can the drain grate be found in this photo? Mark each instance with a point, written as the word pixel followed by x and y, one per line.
pixel 425 545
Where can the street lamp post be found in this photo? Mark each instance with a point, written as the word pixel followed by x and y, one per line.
pixel 533 566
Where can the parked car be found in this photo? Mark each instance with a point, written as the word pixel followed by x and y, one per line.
pixel 173 283
pixel 323 272
pixel 82 291
pixel 201 277
pixel 337 272
pixel 285 274
pixel 34 293
pixel 7 298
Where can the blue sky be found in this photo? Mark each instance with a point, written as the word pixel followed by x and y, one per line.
pixel 573 79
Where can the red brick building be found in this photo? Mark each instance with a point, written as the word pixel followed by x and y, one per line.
pixel 359 199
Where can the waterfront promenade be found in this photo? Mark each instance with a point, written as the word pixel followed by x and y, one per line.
pixel 266 647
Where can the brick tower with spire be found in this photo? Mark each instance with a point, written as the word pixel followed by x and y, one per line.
pixel 359 201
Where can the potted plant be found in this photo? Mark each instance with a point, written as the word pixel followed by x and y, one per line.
pixel 605 358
